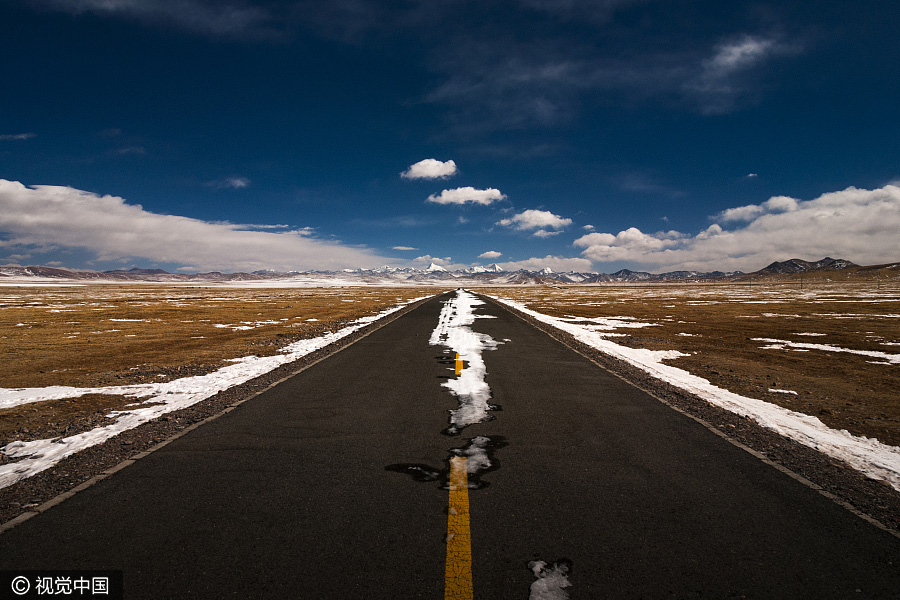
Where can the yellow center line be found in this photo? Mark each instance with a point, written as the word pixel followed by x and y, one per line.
pixel 459 364
pixel 458 573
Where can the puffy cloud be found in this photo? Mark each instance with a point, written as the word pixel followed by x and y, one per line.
pixel 536 219
pixel 49 217
pixel 776 204
pixel 490 254
pixel 430 168
pixel 428 259
pixel 856 224
pixel 605 247
pixel 467 195
pixel 554 263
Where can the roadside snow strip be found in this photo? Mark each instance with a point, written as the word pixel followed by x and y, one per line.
pixel 868 455
pixel 157 400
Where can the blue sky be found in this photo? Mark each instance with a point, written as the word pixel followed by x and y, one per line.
pixel 584 135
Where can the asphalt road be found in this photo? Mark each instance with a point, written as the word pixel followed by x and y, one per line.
pixel 312 490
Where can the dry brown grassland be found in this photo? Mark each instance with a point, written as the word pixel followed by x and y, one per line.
pixel 716 326
pixel 96 335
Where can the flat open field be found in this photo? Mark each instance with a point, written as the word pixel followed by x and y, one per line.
pixel 831 350
pixel 96 336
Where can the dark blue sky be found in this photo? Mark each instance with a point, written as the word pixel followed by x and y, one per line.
pixel 593 134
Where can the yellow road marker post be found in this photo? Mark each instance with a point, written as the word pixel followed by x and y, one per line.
pixel 458 573
pixel 459 364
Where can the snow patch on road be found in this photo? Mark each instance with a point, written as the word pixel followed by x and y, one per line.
pixel 550 580
pixel 470 388
pixel 868 455
pixel 160 398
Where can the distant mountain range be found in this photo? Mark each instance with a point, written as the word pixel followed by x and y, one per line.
pixel 436 274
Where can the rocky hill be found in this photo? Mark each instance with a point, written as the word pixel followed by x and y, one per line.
pixel 796 265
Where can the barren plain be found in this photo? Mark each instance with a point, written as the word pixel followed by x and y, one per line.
pixel 831 350
pixel 827 349
pixel 113 335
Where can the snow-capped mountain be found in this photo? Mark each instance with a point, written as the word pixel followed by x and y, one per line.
pixel 435 274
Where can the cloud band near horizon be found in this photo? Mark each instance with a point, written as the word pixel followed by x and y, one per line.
pixel 43 217
pixel 854 224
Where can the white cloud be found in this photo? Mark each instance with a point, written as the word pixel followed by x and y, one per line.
pixel 467 195
pixel 17 136
pixel 50 217
pixel 776 204
pixel 490 254
pixel 430 168
pixel 447 261
pixel 739 54
pixel 723 77
pixel 536 219
pixel 751 176
pixel 605 247
pixel 555 263
pixel 588 227
pixel 855 224
pixel 404 248
pixel 234 183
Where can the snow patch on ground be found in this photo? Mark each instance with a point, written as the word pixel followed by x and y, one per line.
pixel 887 359
pixel 868 455
pixel 160 398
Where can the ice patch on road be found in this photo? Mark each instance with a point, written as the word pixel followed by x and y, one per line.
pixel 868 455
pixel 470 388
pixel 160 398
